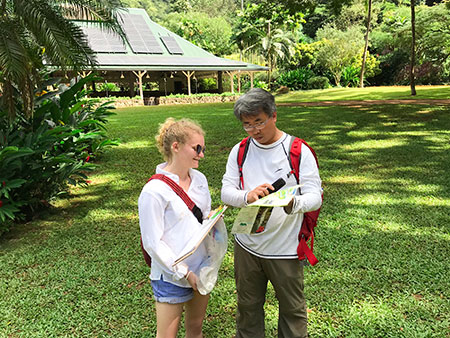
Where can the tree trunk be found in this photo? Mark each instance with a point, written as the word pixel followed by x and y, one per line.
pixel 366 44
pixel 413 48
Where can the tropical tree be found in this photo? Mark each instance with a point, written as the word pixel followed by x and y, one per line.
pixel 37 32
pixel 210 33
pixel 413 48
pixel 366 44
pixel 338 49
pixel 274 45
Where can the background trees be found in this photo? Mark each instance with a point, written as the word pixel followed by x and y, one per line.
pixel 299 27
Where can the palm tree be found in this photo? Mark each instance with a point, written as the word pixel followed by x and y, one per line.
pixel 37 32
pixel 274 45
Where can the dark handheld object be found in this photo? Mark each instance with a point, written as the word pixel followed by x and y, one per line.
pixel 277 185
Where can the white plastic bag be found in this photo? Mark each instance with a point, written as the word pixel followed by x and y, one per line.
pixel 216 243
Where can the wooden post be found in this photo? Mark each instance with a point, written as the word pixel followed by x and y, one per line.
pixel 219 82
pixel 231 75
pixel 83 75
pixel 189 74
pixel 251 79
pixel 239 80
pixel 140 75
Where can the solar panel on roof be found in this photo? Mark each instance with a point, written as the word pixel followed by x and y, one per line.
pixel 104 41
pixel 171 45
pixel 139 35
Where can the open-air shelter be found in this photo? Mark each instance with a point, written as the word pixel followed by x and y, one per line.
pixel 149 53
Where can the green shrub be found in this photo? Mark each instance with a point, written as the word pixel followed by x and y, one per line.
pixel 295 79
pixel 41 155
pixel 202 95
pixel 318 82
pixel 350 76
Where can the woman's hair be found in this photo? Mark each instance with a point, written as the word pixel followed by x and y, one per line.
pixel 175 131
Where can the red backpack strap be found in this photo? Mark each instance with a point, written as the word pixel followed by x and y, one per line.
pixel 242 154
pixel 295 154
pixel 306 232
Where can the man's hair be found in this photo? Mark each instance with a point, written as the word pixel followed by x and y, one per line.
pixel 254 102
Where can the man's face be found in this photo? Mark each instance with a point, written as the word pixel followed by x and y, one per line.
pixel 261 127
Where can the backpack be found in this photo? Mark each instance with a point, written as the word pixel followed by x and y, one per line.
pixel 186 199
pixel 306 232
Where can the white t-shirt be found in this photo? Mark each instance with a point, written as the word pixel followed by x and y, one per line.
pixel 167 224
pixel 266 164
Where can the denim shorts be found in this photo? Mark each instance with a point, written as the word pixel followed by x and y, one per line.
pixel 165 292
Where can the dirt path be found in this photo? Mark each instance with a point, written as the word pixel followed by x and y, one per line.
pixel 438 102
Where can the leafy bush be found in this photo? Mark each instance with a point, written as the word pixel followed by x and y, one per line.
pixel 202 95
pixel 41 155
pixel 350 76
pixel 107 87
pixel 256 84
pixel 318 82
pixel 207 84
pixel 295 79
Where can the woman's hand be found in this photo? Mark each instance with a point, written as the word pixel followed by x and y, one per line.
pixel 192 279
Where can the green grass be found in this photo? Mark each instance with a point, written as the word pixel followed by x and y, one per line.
pixel 383 238
pixel 367 93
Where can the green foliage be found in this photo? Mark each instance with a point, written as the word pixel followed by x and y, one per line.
pixel 318 82
pixel 211 34
pixel 107 86
pixel 202 95
pixel 392 40
pixel 40 156
pixel 338 49
pixel 350 76
pixel 156 9
pixel 295 79
pixel 205 84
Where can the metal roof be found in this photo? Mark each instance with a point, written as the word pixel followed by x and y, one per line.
pixel 149 46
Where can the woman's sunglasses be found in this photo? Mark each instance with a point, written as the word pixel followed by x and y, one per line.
pixel 199 149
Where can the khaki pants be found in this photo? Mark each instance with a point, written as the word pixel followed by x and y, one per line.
pixel 286 276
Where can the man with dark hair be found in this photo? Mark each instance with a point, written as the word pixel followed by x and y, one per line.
pixel 269 255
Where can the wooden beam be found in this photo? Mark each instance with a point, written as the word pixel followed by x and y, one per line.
pixel 231 75
pixel 140 75
pixel 188 74
pixel 239 80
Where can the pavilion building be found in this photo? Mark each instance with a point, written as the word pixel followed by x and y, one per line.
pixel 146 52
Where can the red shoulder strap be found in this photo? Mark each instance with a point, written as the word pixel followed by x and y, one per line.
pixel 186 199
pixel 180 192
pixel 242 154
pixel 295 154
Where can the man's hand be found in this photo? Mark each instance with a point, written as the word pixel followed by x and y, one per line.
pixel 259 192
pixel 288 208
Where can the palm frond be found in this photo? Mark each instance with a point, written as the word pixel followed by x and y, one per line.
pixel 64 42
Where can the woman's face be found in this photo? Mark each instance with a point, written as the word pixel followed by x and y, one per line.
pixel 192 151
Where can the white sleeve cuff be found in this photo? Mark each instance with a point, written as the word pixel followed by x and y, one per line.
pixel 181 270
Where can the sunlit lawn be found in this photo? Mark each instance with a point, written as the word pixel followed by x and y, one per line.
pixel 383 238
pixel 367 93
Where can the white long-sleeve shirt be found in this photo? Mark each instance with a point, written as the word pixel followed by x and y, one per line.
pixel 167 224
pixel 266 164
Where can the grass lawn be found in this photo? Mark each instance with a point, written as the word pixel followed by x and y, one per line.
pixel 367 93
pixel 383 239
